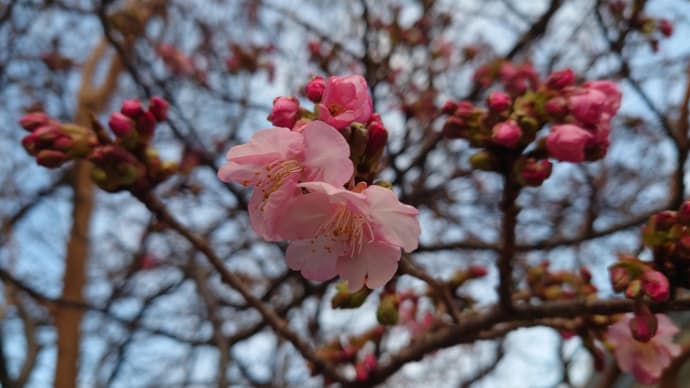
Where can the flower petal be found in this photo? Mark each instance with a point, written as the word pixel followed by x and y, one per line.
pixel 398 222
pixel 304 215
pixel 326 154
pixel 377 262
pixel 266 146
pixel 313 265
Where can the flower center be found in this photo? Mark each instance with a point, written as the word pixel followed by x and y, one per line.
pixel 347 229
pixel 274 176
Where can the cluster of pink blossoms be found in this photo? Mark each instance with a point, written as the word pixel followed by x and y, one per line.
pixel 306 188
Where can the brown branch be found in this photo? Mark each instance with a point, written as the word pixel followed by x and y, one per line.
pixel 274 320
pixel 511 190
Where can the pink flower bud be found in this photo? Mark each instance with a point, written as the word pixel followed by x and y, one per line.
pixel 314 88
pixel 557 107
pixel 567 142
pixel 285 112
pixel 120 124
pixel 620 278
pixel 507 134
pixel 587 106
pixel 33 120
pixel 378 136
pixel 684 213
pixel 464 109
pixel 454 128
pixel 477 271
pixel 146 123
pixel 498 101
pixel 643 325
pixel 664 220
pixel 534 172
pixel 612 95
pixel 656 285
pixel 51 158
pixel 159 108
pixel 665 27
pixel 131 108
pixel 449 107
pixel 560 79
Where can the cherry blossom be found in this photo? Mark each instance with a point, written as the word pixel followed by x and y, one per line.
pixel 276 159
pixel 356 235
pixel 345 100
pixel 645 360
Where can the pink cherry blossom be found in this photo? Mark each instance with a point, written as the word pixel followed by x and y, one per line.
pixel 610 90
pixel 345 100
pixel 567 142
pixel 275 160
pixel 285 112
pixel 645 360
pixel 587 105
pixel 357 235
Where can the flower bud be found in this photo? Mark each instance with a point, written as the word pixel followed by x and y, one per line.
pixel 285 112
pixel 566 142
pixel 477 271
pixel 498 102
pixel 131 108
pixel 656 285
pixel 620 278
pixel 120 124
pixel 454 127
pixel 314 88
pixel 560 79
pixel 159 108
pixel 378 136
pixel 533 172
pixel 634 289
pixel 483 160
pixel 665 27
pixel 684 214
pixel 643 325
pixel 33 120
pixel 146 123
pixel 51 158
pixel 464 109
pixel 449 107
pixel 665 220
pixel 556 107
pixel 506 134
pixel 387 312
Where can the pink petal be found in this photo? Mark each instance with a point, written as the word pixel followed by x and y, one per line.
pixel 244 174
pixel 399 224
pixel 266 146
pixel 326 154
pixel 377 262
pixel 313 265
pixel 266 209
pixel 304 215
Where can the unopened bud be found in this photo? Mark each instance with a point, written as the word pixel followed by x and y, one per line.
pixel 454 127
pixel 483 160
pixel 314 88
pixel 159 108
pixel 498 102
pixel 634 289
pixel 656 285
pixel 556 107
pixel 131 108
pixel 560 79
pixel 51 158
pixel 684 214
pixel 665 27
pixel 120 124
pixel 506 134
pixel 146 123
pixel 477 271
pixel 33 120
pixel 449 107
pixel 533 172
pixel 620 278
pixel 644 324
pixel 378 136
pixel 387 312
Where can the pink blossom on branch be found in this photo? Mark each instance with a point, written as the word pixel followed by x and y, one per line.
pixel 356 235
pixel 275 160
pixel 285 112
pixel 645 360
pixel 345 100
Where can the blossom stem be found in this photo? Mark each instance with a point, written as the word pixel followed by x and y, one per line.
pixel 511 190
